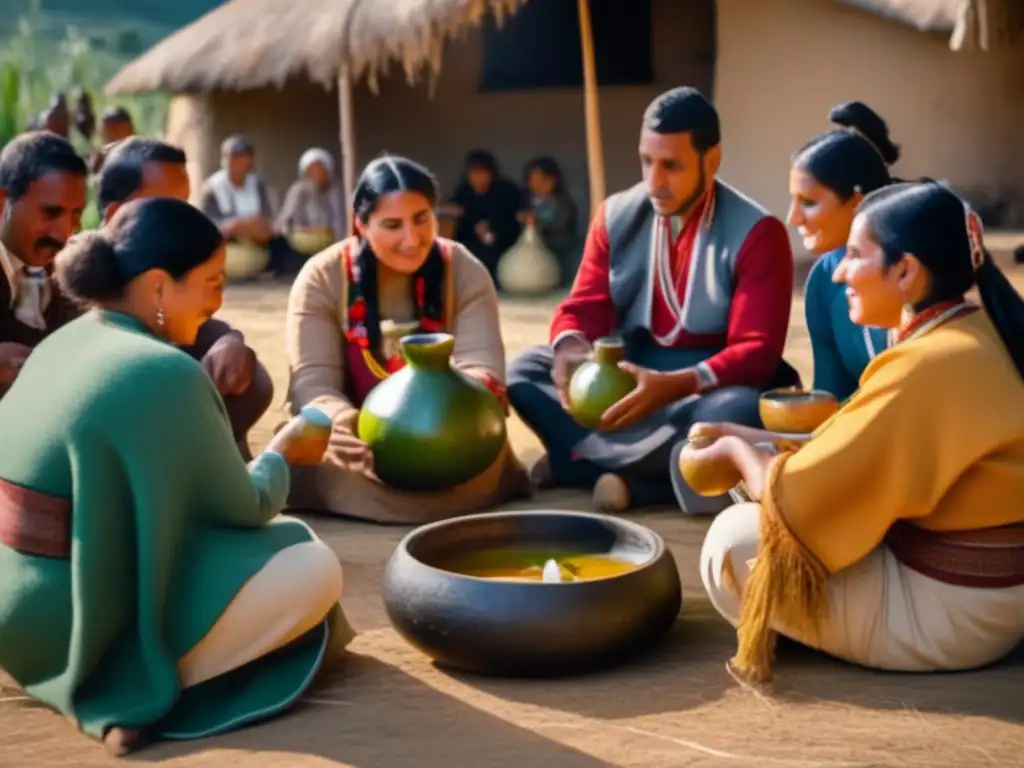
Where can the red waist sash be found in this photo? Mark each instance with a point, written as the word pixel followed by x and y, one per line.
pixel 987 558
pixel 34 523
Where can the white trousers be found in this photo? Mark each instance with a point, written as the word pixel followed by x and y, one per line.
pixel 882 614
pixel 289 596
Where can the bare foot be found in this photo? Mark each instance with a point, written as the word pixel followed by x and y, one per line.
pixel 540 474
pixel 611 494
pixel 122 741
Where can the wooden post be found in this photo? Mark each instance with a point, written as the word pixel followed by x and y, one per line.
pixel 348 144
pixel 595 147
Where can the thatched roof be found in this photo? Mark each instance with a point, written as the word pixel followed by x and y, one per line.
pixel 973 23
pixel 924 15
pixel 247 44
pixel 252 43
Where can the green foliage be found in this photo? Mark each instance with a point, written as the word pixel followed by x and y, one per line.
pixel 91 218
pixel 43 56
pixel 10 103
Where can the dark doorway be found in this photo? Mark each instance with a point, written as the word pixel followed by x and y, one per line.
pixel 539 46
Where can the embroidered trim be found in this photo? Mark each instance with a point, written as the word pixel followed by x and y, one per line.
pixel 869 343
pixel 34 523
pixel 931 318
pixel 984 558
pixel 356 331
pixel 662 248
pixel 706 378
pixel 975 236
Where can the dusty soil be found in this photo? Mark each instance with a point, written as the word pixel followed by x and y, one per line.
pixel 389 707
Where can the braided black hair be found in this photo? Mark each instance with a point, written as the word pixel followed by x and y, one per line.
pixel 384 176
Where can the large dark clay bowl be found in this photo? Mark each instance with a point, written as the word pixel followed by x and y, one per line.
pixel 530 629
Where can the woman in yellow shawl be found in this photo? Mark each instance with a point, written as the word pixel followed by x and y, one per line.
pixel 894 538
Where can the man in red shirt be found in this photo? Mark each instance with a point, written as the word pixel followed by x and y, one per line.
pixel 698 280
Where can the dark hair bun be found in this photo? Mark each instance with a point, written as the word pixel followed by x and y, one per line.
pixel 865 121
pixel 87 269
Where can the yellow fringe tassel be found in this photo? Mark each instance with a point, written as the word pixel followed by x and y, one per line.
pixel 788 587
pixel 373 365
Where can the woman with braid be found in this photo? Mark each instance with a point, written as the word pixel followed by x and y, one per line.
pixel 394 271
pixel 894 537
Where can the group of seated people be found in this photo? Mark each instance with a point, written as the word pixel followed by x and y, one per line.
pixel 244 205
pixel 149 587
pixel 491 210
pixel 240 200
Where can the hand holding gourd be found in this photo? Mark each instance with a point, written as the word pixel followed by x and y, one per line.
pixel 708 465
pixel 303 440
pixel 654 390
pixel 349 452
pixel 570 354
pixel 711 430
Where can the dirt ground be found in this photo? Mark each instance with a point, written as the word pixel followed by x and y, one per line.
pixel 389 707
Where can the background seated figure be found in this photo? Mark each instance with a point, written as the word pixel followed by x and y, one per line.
pixel 488 205
pixel 554 213
pixel 314 202
pixel 239 201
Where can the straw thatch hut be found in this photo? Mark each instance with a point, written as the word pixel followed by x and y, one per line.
pixel 271 68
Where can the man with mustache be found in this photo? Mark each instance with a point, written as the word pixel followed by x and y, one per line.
pixel 698 280
pixel 138 167
pixel 42 195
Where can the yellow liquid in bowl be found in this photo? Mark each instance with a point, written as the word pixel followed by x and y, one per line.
pixel 520 565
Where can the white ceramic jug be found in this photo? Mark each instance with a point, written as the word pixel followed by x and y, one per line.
pixel 528 268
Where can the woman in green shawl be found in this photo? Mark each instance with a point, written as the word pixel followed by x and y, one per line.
pixel 148 586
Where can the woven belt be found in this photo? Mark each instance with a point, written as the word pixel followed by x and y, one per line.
pixel 987 558
pixel 34 523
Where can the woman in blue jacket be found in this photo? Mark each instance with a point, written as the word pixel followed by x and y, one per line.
pixel 829 176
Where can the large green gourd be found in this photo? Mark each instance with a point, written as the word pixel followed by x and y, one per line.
pixel 599 384
pixel 429 426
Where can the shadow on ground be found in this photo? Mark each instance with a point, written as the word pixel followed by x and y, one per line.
pixel 365 715
pixel 688 669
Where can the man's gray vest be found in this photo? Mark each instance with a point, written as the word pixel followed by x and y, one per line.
pixel 709 287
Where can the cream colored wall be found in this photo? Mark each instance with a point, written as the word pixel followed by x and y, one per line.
pixel 438 130
pixel 781 65
pixel 958 116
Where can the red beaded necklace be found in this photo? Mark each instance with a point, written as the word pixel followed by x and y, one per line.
pixel 357 332
pixel 934 316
